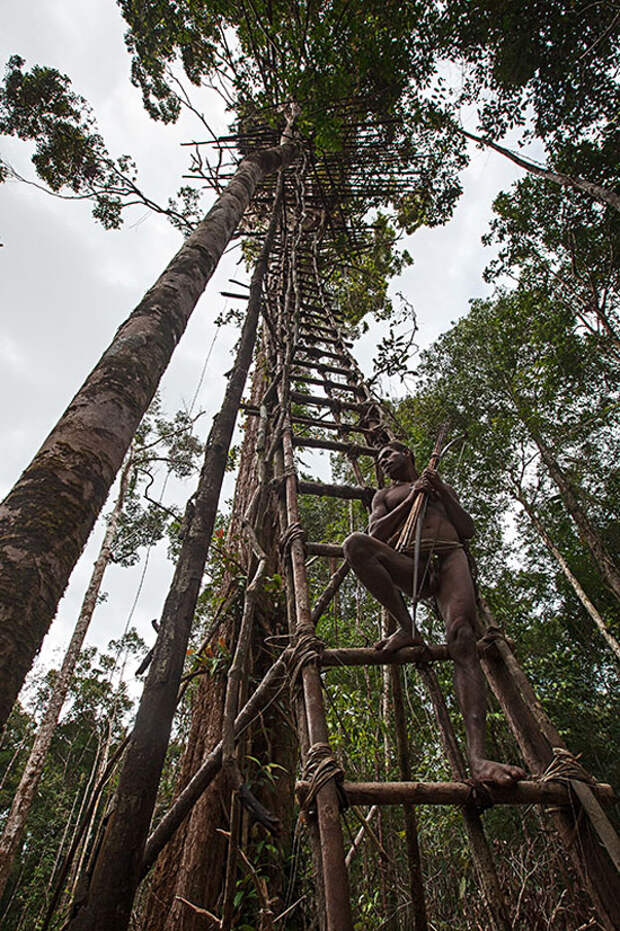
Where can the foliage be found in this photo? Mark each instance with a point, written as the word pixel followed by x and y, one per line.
pixel 39 106
pixel 565 245
pixel 559 59
pixel 161 446
pixel 96 715
pixel 361 287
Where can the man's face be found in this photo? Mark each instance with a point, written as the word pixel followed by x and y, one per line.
pixel 394 462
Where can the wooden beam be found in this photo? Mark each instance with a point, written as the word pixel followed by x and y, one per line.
pixel 457 793
pixel 323 367
pixel 315 442
pixel 328 424
pixel 317 338
pixel 368 656
pixel 348 492
pixel 324 549
pixel 314 351
pixel 299 398
pixel 325 382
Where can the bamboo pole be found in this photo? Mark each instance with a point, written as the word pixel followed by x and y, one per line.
pixel 335 876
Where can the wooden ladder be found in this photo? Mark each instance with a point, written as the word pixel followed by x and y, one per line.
pixel 312 351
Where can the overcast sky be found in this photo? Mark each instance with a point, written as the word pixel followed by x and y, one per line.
pixel 66 284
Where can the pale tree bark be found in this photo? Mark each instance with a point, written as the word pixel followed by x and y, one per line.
pixel 117 869
pixel 28 784
pixel 47 517
pixel 574 582
pixel 588 533
pixel 595 191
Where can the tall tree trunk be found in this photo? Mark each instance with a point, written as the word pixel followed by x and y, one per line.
pixel 587 532
pixel 594 614
pixel 193 863
pixel 28 784
pixel 47 517
pixel 595 191
pixel 116 872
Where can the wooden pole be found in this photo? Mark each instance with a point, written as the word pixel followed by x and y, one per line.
pixel 537 737
pixel 457 793
pixel 414 859
pixel 483 860
pixel 335 875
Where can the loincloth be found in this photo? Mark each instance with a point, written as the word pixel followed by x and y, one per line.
pixel 431 553
pixel 433 547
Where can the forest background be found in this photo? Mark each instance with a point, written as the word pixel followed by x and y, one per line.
pixel 87 279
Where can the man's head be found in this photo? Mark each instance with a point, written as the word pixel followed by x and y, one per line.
pixel 397 460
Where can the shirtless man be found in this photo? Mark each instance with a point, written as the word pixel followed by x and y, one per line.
pixel 387 573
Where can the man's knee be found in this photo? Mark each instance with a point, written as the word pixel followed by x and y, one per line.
pixel 355 547
pixel 461 637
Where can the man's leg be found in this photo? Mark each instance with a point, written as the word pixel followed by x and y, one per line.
pixel 457 604
pixel 385 573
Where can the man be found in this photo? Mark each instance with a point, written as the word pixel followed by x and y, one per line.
pixel 443 573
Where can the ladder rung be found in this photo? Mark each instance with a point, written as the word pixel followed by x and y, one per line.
pixel 308 334
pixel 330 425
pixel 312 350
pixel 320 329
pixel 457 793
pixel 318 443
pixel 331 550
pixel 318 318
pixel 368 656
pixel 328 383
pixel 350 492
pixel 316 401
pixel 241 297
pixel 323 367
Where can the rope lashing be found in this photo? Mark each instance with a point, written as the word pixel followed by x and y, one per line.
pixel 308 648
pixel 321 766
pixel 278 485
pixel 490 637
pixel 564 767
pixel 479 796
pixel 293 532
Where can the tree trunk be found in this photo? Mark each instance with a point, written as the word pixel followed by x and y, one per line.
pixel 611 641
pixel 16 821
pixel 192 865
pixel 587 532
pixel 116 873
pixel 595 191
pixel 47 517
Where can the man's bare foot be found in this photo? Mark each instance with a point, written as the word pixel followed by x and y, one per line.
pixel 499 774
pixel 402 638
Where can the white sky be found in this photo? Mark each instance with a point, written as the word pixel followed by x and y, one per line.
pixel 66 284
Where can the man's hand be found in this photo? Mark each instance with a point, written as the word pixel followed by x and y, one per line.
pixel 429 483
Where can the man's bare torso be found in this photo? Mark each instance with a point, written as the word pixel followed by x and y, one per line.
pixel 436 526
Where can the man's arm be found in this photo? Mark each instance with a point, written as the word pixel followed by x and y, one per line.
pixel 457 515
pixel 384 523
